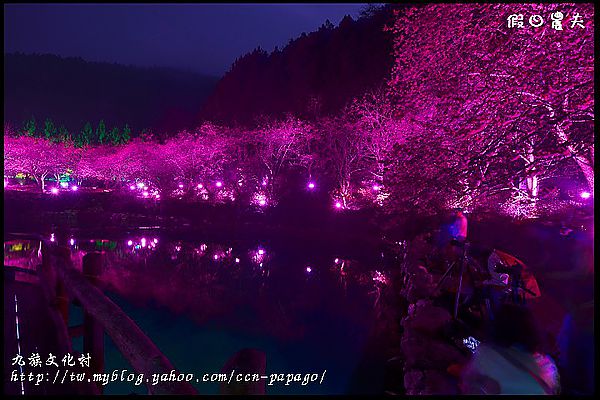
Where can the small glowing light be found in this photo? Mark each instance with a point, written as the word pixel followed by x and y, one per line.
pixel 585 195
pixel 130 243
pixel 260 265
pixel 143 242
pixel 219 183
pixel 145 187
pixel 5 183
pixel 72 241
pixel 237 260
pixel 180 186
pixel 64 184
pixel 376 187
pixel 216 257
pixel 262 202
pixel 311 185
pixel 158 196
pixel 200 186
pixel 337 260
pixel 261 252
pixel 52 238
pixel 308 269
pixel 54 190
pixel 338 205
pixel 155 240
pixel 140 185
pixel 74 188
pixel 145 194
pixel 132 187
pixel 264 183
pixel 239 183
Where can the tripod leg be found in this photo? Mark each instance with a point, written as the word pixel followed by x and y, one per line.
pixel 460 279
pixel 443 278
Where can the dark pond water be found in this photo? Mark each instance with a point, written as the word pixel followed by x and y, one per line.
pixel 310 308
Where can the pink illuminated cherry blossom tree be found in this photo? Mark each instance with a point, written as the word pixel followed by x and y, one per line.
pixel 513 103
pixel 279 144
pixel 35 157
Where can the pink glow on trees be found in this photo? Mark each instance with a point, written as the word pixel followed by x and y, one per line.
pixel 54 190
pixel 495 105
pixel 37 158
pixel 343 154
pixel 379 127
pixel 278 145
pixel 259 199
pixel 202 153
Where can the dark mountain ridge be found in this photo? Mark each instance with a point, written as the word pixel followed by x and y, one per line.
pixel 315 74
pixel 72 91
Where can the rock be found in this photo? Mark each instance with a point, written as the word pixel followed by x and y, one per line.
pixel 428 319
pixel 438 382
pixel 420 352
pixel 413 381
pixel 414 293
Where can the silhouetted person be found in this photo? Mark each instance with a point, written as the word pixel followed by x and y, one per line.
pixel 458 227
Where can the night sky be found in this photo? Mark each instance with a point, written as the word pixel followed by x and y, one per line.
pixel 204 38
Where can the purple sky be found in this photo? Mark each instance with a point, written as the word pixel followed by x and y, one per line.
pixel 204 38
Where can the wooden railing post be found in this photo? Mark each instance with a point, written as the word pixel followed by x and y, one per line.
pixel 245 361
pixel 93 334
pixel 58 289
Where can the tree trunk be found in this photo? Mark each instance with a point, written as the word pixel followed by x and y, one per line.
pixel 586 167
pixel 533 186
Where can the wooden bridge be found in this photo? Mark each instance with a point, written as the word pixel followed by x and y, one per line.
pixel 36 320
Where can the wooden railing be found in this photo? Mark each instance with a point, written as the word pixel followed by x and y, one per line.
pixel 63 284
pixel 101 314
